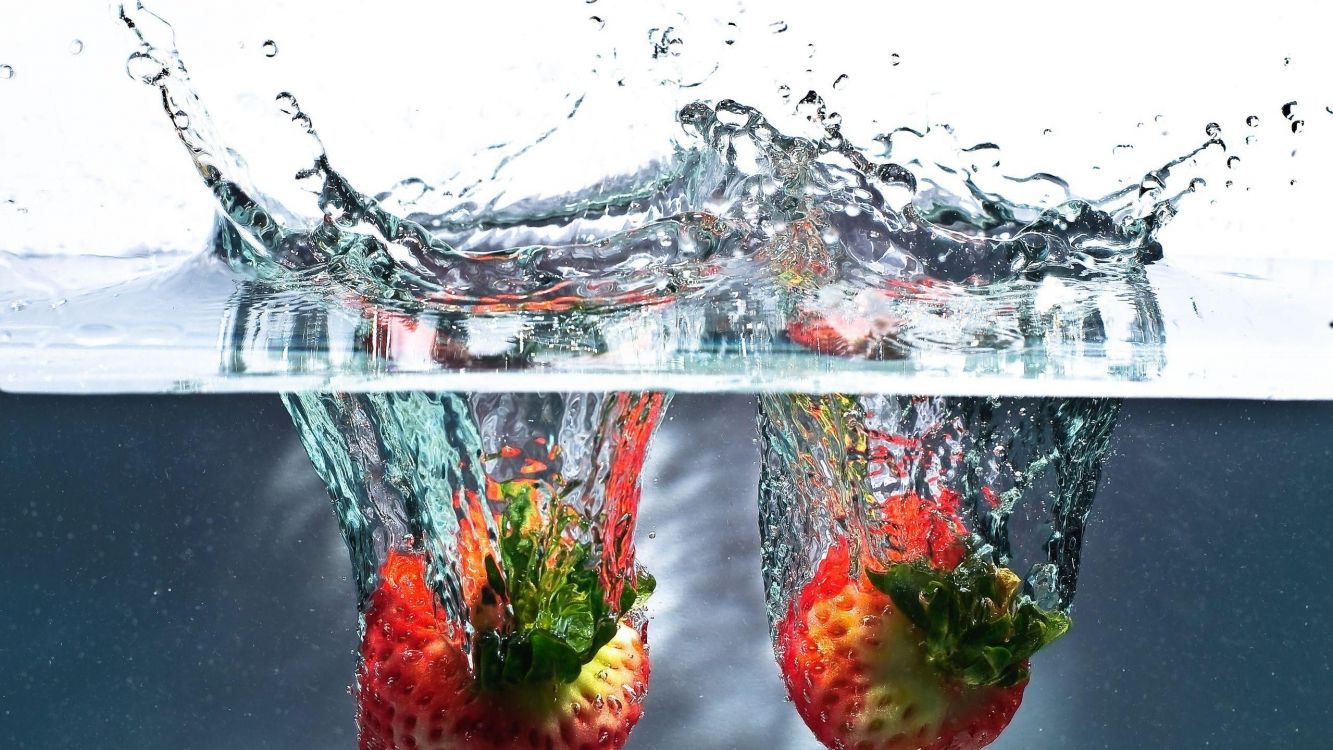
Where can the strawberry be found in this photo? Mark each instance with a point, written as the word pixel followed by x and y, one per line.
pixel 557 668
pixel 912 657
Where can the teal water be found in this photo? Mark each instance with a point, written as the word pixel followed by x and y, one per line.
pixel 174 578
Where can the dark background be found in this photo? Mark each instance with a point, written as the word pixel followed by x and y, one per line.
pixel 171 577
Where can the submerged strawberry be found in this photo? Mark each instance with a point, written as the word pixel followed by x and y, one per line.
pixel 559 670
pixel 915 657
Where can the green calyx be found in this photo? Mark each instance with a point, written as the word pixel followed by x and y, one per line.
pixel 978 629
pixel 558 615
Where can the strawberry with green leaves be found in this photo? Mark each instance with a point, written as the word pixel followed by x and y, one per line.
pixel 920 656
pixel 549 663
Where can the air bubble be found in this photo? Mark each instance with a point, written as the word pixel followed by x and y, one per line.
pixel 784 91
pixel 1232 162
pixel 1196 183
pixel 1297 126
pixel 287 104
pixel 1252 121
pixel 1250 140
pixel 6 72
pixel 841 81
pixel 1047 131
pixel 778 26
pixel 142 67
pixel 1212 130
pixel 1228 183
pixel 895 59
pixel 270 48
pixel 180 119
pixel 652 535
pixel 1121 148
pixel 76 46
pixel 1289 110
pixel 598 21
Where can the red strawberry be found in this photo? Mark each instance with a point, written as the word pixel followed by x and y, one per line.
pixel 562 671
pixel 913 657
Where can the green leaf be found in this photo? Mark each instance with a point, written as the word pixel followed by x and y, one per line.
pixel 637 594
pixel 559 614
pixel 977 628
pixel 493 577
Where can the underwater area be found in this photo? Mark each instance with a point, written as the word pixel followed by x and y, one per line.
pixel 186 585
pixel 595 374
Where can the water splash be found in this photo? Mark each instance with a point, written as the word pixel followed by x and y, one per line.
pixel 416 468
pixel 738 204
pixel 1013 479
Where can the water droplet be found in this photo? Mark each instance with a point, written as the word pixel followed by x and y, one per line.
pixel 142 67
pixel 598 21
pixel 1047 131
pixel 1232 162
pixel 1289 110
pixel 180 120
pixel 1212 130
pixel 76 46
pixel 778 26
pixel 270 48
pixel 1158 118
pixel 1252 121
pixel 1229 183
pixel 731 25
pixel 840 81
pixel 1297 125
pixel 287 103
pixel 1286 61
pixel 652 535
pixel 1251 139
pixel 1196 183
pixel 895 59
pixel 1293 183
pixel 1121 148
pixel 6 72
pixel 784 91
pixel 811 106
